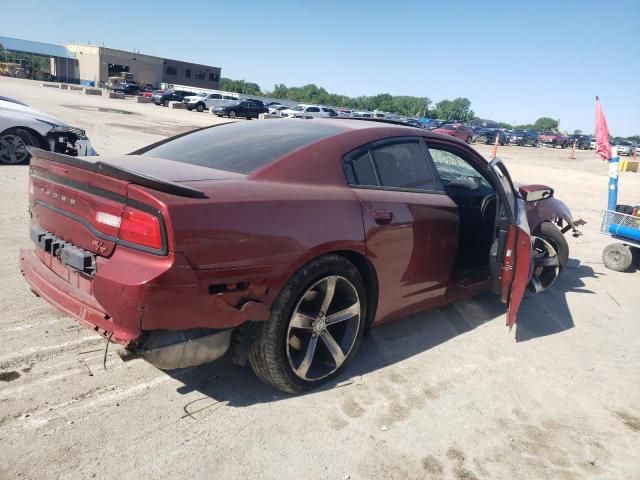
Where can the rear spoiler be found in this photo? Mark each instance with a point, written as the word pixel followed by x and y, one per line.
pixel 118 172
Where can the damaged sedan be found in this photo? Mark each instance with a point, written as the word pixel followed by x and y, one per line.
pixel 282 242
pixel 22 127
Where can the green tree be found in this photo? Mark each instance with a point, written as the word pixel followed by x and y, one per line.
pixel 545 123
pixel 458 109
pixel 577 132
pixel 506 125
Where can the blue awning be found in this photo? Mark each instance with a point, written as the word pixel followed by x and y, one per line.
pixel 35 48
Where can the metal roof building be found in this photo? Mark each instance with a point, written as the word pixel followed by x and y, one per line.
pixel 35 48
pixel 49 61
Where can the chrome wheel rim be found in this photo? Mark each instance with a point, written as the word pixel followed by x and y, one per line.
pixel 546 265
pixel 232 114
pixel 323 328
pixel 13 149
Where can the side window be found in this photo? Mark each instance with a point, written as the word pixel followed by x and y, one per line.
pixel 359 170
pixel 403 165
pixel 452 167
pixel 313 109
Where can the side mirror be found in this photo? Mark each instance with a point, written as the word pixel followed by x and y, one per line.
pixel 534 193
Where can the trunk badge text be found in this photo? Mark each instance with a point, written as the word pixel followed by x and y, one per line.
pixel 56 195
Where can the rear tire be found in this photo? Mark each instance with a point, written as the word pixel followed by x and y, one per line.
pixel 617 257
pixel 280 354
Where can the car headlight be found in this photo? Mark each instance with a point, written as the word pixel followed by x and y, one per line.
pixel 64 129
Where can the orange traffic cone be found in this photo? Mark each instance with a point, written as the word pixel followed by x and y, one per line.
pixel 573 151
pixel 494 153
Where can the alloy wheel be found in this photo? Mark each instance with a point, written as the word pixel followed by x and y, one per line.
pixel 13 149
pixel 323 328
pixel 546 264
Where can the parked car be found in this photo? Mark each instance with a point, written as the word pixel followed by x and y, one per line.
pixel 488 136
pixel 593 144
pixel 524 137
pixel 126 88
pixel 170 96
pixel 22 126
pixel 582 142
pixel 283 241
pixel 554 139
pixel 308 111
pixel 203 101
pixel 151 93
pixel 457 130
pixel 277 109
pixel 624 147
pixel 246 108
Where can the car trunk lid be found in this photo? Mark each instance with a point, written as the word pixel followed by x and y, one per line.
pixel 87 201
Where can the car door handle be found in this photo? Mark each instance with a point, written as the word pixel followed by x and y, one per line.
pixel 382 217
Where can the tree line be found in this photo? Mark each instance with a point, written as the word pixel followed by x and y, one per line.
pixel 458 109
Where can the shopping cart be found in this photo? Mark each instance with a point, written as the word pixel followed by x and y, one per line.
pixel 625 228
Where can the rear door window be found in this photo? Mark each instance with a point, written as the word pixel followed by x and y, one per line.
pixel 403 165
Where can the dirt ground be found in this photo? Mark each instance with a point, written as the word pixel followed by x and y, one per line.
pixel 447 394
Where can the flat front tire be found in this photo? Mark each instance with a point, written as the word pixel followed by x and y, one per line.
pixel 315 326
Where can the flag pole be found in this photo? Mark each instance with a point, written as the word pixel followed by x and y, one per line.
pixel 614 162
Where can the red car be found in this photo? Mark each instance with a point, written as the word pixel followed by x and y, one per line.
pixel 456 130
pixel 284 239
pixel 150 93
pixel 554 139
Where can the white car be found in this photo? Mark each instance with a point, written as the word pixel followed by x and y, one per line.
pixel 308 111
pixel 278 109
pixel 203 101
pixel 22 127
pixel 593 144
pixel 625 148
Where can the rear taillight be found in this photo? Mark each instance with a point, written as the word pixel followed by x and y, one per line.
pixel 133 226
pixel 141 228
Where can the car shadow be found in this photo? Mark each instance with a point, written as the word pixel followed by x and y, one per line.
pixel 544 314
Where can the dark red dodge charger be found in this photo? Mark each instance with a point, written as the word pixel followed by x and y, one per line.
pixel 284 239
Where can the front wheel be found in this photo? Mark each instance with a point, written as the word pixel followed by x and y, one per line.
pixel 165 103
pixel 13 147
pixel 550 254
pixel 200 107
pixel 232 114
pixel 315 327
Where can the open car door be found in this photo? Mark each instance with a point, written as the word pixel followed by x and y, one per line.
pixel 511 250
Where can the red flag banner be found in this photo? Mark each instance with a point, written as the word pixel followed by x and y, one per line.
pixel 602 133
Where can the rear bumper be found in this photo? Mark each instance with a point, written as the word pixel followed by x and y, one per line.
pixel 133 293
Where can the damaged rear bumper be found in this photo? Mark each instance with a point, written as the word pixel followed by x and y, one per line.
pixel 133 294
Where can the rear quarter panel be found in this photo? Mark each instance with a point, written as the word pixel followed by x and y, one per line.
pixel 254 223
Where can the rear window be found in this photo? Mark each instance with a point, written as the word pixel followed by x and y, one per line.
pixel 242 147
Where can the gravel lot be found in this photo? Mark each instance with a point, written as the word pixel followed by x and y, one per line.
pixel 445 394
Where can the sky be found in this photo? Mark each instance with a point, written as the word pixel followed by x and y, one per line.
pixel 515 61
